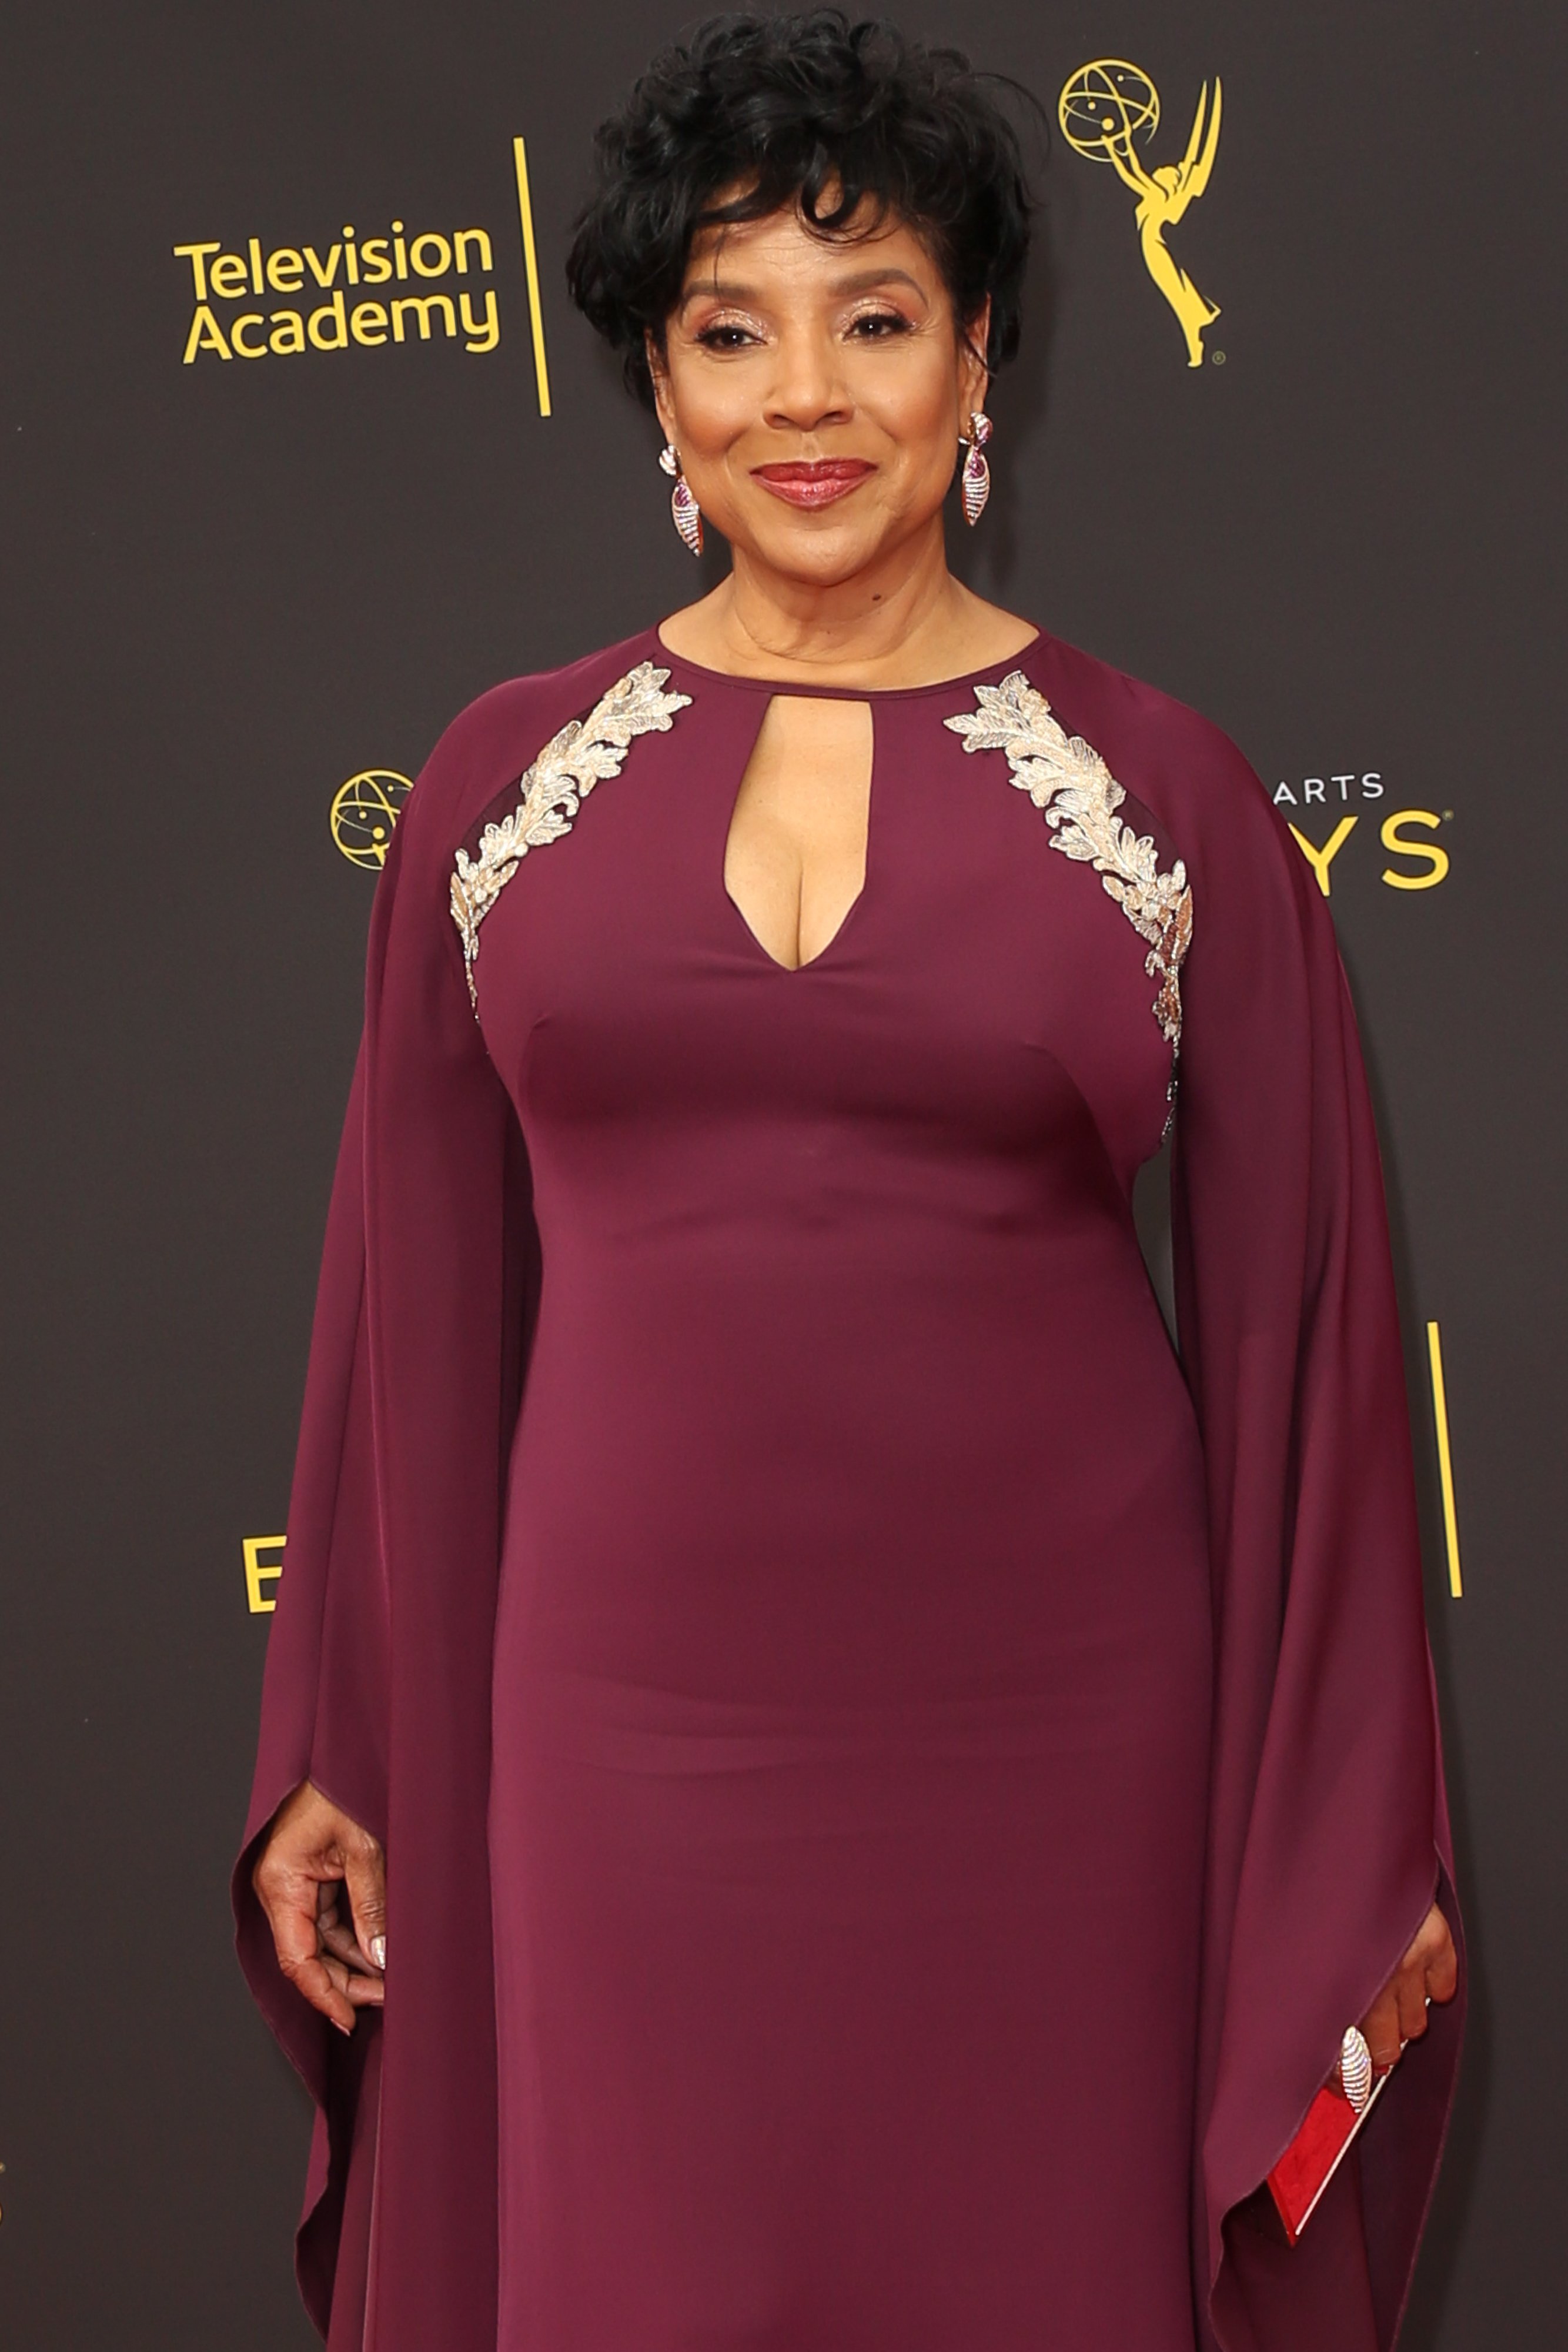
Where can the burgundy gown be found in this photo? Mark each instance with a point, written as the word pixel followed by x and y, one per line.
pixel 894 1782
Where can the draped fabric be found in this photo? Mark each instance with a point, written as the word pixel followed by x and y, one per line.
pixel 1326 1831
pixel 1329 1832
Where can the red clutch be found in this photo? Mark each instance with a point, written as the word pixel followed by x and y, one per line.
pixel 1331 2122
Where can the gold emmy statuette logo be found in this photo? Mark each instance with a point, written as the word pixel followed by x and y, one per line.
pixel 364 811
pixel 1104 110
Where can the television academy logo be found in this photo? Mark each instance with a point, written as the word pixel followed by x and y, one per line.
pixel 346 292
pixel 337 313
pixel 1105 109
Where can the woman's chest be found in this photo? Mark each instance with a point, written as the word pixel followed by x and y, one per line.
pixel 978 983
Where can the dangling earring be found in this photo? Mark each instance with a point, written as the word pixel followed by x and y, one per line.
pixel 684 507
pixel 976 479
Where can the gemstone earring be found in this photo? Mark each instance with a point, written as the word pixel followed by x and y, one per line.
pixel 686 513
pixel 976 486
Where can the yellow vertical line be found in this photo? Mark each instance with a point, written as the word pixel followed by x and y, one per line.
pixel 531 263
pixel 1445 1459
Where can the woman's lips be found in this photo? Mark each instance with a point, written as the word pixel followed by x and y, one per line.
pixel 813 482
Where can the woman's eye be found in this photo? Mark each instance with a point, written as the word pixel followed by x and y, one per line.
pixel 724 339
pixel 874 325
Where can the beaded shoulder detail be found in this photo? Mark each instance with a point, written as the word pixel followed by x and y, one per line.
pixel 1077 795
pixel 549 795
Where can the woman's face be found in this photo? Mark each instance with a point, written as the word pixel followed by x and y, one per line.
pixel 816 389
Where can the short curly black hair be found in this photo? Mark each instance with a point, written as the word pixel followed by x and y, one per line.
pixel 785 110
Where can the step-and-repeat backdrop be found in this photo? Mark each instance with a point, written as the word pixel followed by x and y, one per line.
pixel 302 449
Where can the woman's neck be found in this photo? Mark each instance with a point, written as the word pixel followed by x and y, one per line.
pixel 909 624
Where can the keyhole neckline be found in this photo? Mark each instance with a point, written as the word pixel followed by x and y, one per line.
pixel 808 690
pixel 753 937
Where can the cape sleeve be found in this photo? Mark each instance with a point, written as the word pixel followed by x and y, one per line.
pixel 1328 1827
pixel 377 1679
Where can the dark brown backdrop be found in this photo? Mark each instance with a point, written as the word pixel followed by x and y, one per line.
pixel 231 585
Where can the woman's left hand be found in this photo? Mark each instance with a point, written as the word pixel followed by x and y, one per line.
pixel 1429 1971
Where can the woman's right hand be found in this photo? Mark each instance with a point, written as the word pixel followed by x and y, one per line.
pixel 332 1950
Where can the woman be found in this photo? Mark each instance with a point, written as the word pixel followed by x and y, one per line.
pixel 891 1786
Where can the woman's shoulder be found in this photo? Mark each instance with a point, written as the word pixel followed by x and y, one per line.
pixel 520 714
pixel 495 739
pixel 1146 727
pixel 1192 777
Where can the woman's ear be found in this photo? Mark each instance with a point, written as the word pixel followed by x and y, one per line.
pixel 659 372
pixel 974 379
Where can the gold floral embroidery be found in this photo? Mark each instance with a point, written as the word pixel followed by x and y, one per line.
pixel 552 791
pixel 1070 783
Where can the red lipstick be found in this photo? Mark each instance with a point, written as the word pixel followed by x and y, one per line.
pixel 813 482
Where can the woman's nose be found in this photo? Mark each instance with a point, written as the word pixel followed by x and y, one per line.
pixel 808 389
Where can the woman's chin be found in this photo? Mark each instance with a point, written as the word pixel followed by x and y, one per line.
pixel 822 550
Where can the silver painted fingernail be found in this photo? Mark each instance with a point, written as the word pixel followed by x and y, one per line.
pixel 378 1950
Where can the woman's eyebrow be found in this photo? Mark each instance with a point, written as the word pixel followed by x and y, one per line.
pixel 716 289
pixel 858 281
